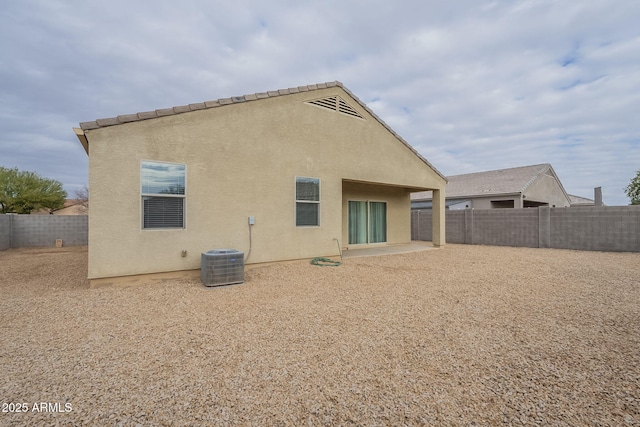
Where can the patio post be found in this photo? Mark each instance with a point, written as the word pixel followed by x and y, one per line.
pixel 438 224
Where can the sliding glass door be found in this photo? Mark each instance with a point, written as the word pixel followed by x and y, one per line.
pixel 367 222
pixel 357 222
pixel 377 222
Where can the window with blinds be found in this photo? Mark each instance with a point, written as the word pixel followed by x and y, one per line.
pixel 307 202
pixel 163 189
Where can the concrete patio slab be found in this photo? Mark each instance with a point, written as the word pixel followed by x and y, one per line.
pixel 414 246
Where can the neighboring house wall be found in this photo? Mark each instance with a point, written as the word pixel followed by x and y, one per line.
pixel 461 205
pixel 542 192
pixel 496 201
pixel 605 228
pixel 545 189
pixel 242 160
pixel 19 231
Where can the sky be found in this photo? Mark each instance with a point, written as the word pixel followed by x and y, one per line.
pixel 471 85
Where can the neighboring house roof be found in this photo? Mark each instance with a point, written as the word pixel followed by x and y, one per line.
pixel 72 207
pixel 581 201
pixel 128 118
pixel 67 208
pixel 71 202
pixel 492 183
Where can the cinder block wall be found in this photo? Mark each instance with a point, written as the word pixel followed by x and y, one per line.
pixel 421 221
pixel 506 227
pixel 43 230
pixel 602 228
pixel 455 227
pixel 5 232
pixel 421 229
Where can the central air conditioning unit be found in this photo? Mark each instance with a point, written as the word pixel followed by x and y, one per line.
pixel 222 267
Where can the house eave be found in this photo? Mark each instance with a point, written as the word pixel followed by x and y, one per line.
pixel 82 138
pixel 408 187
pixel 471 196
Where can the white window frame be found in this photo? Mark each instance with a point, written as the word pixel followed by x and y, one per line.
pixel 295 212
pixel 161 195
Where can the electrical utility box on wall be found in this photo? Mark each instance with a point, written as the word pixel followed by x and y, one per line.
pixel 222 267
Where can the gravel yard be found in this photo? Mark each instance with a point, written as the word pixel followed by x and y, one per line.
pixel 463 335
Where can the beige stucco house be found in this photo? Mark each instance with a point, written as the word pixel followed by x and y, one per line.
pixel 311 167
pixel 519 187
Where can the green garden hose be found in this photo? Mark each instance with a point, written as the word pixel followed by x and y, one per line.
pixel 328 262
pixel 325 262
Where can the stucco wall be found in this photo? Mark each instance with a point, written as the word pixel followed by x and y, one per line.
pixel 479 203
pixel 241 160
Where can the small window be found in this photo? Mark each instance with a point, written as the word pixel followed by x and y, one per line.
pixel 163 192
pixel 307 202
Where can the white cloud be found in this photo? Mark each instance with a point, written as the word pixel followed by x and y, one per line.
pixel 472 85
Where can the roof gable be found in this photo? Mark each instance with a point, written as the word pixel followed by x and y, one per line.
pixel 341 106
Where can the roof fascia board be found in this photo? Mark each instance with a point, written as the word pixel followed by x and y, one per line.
pixel 82 138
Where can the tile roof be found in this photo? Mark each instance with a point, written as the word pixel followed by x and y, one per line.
pixel 146 115
pixel 490 183
pixel 128 118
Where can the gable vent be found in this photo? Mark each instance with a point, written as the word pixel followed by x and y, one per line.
pixel 338 104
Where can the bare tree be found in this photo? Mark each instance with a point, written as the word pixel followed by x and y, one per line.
pixel 82 195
